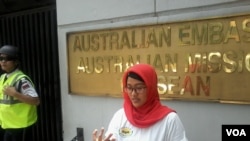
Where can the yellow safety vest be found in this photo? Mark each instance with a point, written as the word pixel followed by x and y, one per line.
pixel 14 113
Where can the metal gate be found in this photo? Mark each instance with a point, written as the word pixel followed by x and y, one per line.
pixel 35 32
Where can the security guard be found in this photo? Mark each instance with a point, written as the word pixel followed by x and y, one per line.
pixel 18 98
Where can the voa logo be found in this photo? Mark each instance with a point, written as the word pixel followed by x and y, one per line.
pixel 236 132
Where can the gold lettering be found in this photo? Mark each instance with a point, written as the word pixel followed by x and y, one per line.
pixel 95 42
pixel 138 43
pixel 134 44
pixel 232 32
pixel 99 67
pixel 165 36
pixel 149 59
pixel 89 63
pixel 240 61
pixel 81 66
pixel 114 41
pixel 215 32
pixel 203 47
pixel 246 28
pixel 247 62
pixel 187 86
pixel 229 58
pixel 184 35
pixel 205 87
pixel 199 37
pixel 118 60
pixel 199 63
pixel 104 40
pixel 170 63
pixel 108 60
pixel 152 38
pixel 131 61
pixel 168 85
pixel 77 44
pixel 162 87
pixel 158 62
pixel 214 62
pixel 173 84
pixel 84 66
pixel 124 40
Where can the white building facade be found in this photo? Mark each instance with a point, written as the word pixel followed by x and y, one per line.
pixel 202 120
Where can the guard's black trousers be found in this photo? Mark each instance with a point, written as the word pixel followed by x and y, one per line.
pixel 20 134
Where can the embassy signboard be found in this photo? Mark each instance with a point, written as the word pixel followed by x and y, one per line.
pixel 203 60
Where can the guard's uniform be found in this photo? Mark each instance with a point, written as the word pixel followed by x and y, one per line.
pixel 163 130
pixel 14 114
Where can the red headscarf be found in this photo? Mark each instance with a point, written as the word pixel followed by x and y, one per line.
pixel 152 111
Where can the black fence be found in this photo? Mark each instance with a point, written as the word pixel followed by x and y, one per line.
pixel 35 32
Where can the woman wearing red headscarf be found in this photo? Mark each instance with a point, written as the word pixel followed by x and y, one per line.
pixel 143 117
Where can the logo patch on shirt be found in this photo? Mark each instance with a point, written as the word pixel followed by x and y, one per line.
pixel 25 86
pixel 125 132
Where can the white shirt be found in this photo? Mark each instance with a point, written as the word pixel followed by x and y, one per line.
pixel 26 87
pixel 169 128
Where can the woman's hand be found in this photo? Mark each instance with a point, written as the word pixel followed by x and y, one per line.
pixel 99 137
